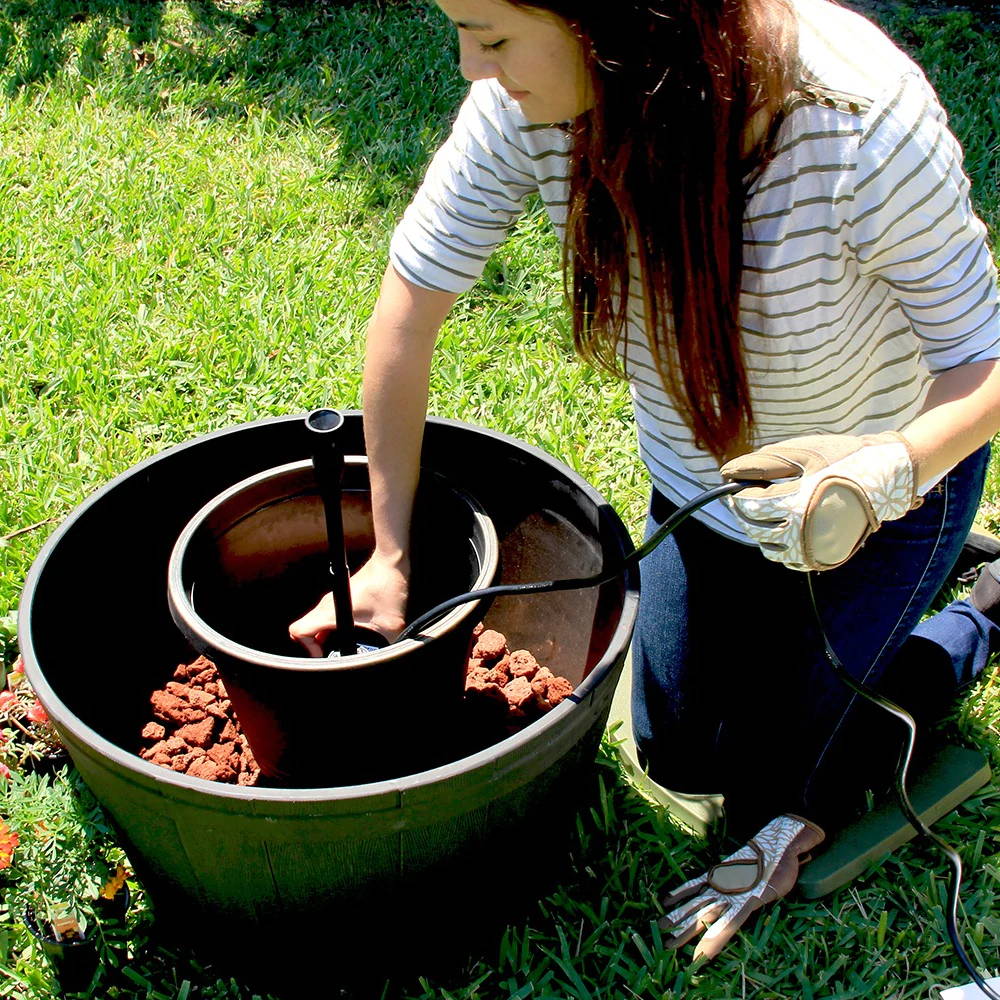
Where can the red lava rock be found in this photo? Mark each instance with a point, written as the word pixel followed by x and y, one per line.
pixel 559 689
pixel 512 681
pixel 185 671
pixel 476 678
pixel 522 664
pixel 499 674
pixel 203 699
pixel 490 645
pixel 550 691
pixel 542 675
pixel 168 707
pixel 518 692
pixel 504 692
pixel 479 686
pixel 184 739
pixel 211 770
pixel 222 753
pixel 197 735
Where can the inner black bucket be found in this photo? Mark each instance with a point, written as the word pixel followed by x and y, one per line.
pixel 254 558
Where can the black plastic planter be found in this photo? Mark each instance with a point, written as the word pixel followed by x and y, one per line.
pixel 74 963
pixel 254 558
pixel 423 855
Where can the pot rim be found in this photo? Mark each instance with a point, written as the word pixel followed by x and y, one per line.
pixel 143 772
pixel 178 594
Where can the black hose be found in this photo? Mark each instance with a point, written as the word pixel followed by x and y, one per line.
pixel 577 583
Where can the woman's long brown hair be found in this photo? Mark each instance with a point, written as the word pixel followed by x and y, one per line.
pixel 657 170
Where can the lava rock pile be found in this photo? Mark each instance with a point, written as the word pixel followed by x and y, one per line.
pixel 194 729
pixel 508 684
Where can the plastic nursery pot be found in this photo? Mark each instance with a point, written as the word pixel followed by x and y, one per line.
pixel 255 558
pixel 73 962
pixel 411 862
pixel 114 910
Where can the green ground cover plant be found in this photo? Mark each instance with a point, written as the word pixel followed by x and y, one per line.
pixel 197 199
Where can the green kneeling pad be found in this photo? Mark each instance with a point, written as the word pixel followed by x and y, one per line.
pixel 945 780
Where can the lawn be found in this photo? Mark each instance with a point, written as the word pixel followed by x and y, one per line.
pixel 196 200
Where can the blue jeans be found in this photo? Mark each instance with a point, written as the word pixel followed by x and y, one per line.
pixel 733 691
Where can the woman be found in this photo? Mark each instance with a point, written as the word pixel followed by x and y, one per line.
pixel 767 231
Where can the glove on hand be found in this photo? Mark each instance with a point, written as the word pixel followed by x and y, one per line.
pixel 721 900
pixel 845 487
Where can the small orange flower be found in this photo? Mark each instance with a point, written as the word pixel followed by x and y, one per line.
pixel 37 714
pixel 113 886
pixel 16 673
pixel 9 839
pixel 7 700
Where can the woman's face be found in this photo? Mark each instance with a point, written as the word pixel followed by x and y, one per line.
pixel 533 54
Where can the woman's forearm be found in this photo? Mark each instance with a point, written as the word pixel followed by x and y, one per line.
pixel 400 343
pixel 962 412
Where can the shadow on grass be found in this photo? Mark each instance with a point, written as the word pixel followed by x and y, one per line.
pixel 381 76
pixel 44 24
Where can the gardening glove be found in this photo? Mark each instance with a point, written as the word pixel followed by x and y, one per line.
pixel 836 490
pixel 720 901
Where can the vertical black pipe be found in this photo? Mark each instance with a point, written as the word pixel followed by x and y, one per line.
pixel 328 461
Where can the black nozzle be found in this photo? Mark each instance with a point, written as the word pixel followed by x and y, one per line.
pixel 328 462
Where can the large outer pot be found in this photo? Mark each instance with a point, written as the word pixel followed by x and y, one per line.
pixel 265 863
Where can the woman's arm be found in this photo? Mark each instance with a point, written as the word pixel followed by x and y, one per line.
pixel 961 412
pixel 400 342
pixel 831 491
pixel 401 338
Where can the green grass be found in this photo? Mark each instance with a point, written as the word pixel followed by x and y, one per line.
pixel 197 199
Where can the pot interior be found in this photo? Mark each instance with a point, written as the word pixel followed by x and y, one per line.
pixel 259 560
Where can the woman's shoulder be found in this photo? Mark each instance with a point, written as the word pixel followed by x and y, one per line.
pixel 847 62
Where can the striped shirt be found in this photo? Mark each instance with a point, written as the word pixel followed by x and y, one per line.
pixel 866 272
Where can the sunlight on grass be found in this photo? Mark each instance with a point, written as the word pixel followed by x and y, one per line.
pixel 197 202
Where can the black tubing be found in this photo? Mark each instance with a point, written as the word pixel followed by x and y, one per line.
pixel 328 461
pixel 578 583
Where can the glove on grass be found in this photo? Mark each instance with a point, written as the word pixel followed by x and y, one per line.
pixel 720 901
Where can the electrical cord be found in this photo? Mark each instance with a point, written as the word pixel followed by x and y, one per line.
pixel 902 771
pixel 577 583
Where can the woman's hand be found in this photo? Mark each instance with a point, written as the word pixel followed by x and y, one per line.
pixel 378 591
pixel 834 491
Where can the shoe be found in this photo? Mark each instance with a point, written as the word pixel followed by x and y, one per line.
pixel 982 546
pixel 985 596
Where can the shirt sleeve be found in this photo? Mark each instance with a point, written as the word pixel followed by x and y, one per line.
pixel 473 193
pixel 914 228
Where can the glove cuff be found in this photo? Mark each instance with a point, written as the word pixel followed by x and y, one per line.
pixel 897 437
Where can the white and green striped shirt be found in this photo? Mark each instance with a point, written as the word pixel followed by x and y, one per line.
pixel 866 272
